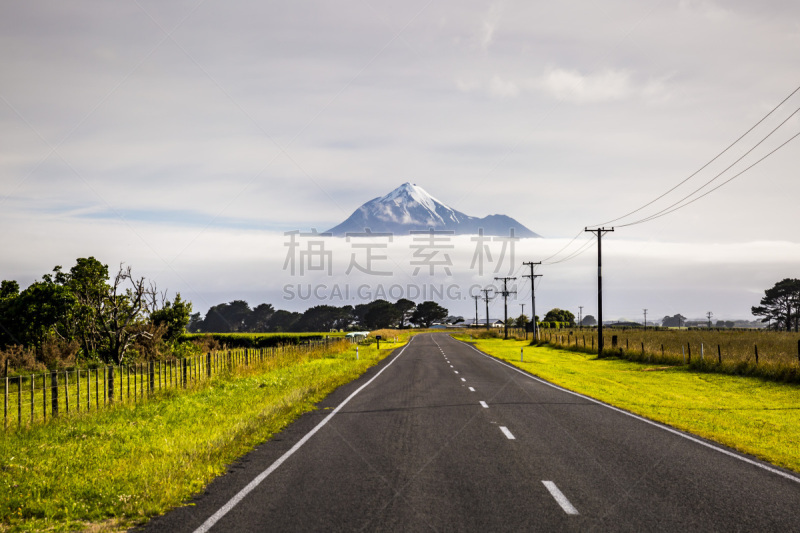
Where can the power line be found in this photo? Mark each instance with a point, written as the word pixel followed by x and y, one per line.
pixel 712 159
pixel 693 200
pixel 599 232
pixel 533 277
pixel 505 292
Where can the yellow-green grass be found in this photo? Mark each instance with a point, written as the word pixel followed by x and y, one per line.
pixel 721 350
pixel 115 468
pixel 753 415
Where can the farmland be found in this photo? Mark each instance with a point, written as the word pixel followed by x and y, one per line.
pixel 769 354
pixel 112 468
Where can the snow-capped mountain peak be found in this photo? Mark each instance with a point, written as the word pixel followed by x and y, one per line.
pixel 409 207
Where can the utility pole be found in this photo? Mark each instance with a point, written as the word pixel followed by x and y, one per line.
pixel 709 315
pixel 580 317
pixel 477 297
pixel 486 299
pixel 533 296
pixel 520 314
pixel 600 232
pixel 505 292
pixel 645 319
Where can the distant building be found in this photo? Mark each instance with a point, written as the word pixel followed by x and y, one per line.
pixel 493 322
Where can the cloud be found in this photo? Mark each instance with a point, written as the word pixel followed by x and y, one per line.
pixel 490 23
pixel 572 86
pixel 501 88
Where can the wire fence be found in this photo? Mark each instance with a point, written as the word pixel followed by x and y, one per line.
pixel 37 398
pixel 769 354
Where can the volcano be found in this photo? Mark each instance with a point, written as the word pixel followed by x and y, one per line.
pixel 410 208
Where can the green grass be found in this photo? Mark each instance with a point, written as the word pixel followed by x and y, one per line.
pixel 112 469
pixel 713 350
pixel 750 414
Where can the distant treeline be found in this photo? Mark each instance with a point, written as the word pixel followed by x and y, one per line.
pixel 238 317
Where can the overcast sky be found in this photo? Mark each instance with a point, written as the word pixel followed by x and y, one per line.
pixel 185 138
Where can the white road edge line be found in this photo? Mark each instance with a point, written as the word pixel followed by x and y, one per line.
pixel 484 404
pixel 507 433
pixel 646 421
pixel 560 498
pixel 225 509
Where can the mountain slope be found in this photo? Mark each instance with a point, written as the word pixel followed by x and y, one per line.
pixel 410 208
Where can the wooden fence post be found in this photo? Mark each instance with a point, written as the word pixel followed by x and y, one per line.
pixel 151 384
pixel 110 383
pixel 44 396
pixel 19 401
pixel 33 397
pixel 208 364
pixel 719 353
pixel 756 347
pixel 54 393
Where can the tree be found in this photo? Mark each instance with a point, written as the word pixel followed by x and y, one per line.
pixel 258 320
pixel 560 315
pixel 174 316
pixel 227 317
pixel 427 313
pixel 522 321
pixel 589 320
pixel 675 321
pixel 281 320
pixel 321 318
pixel 406 308
pixel 43 309
pixel 195 323
pixel 381 314
pixel 122 310
pixel 87 281
pixel 781 305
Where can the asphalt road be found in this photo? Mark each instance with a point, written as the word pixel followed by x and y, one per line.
pixel 444 438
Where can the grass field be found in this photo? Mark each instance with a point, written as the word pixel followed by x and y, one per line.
pixel 770 354
pixel 112 469
pixel 750 414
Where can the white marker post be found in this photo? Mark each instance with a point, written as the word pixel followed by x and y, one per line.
pixel 356 353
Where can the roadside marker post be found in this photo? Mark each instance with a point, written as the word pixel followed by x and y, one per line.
pixel 521 359
pixel 356 353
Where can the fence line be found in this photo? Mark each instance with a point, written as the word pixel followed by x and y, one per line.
pixel 652 347
pixel 58 393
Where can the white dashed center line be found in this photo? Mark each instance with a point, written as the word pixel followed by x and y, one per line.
pixel 507 433
pixel 484 405
pixel 471 389
pixel 462 379
pixel 456 371
pixel 560 498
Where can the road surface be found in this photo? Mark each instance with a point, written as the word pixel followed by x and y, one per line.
pixel 440 437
